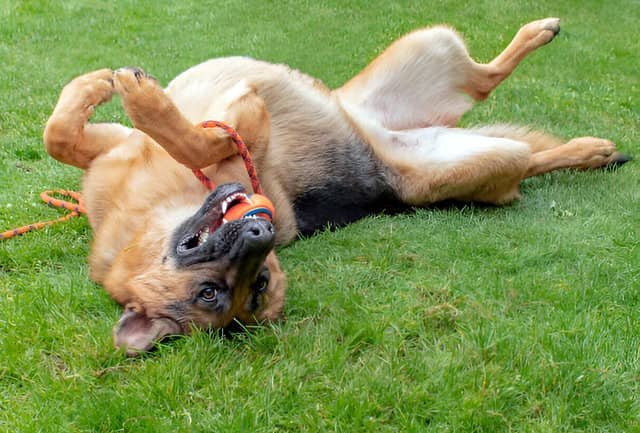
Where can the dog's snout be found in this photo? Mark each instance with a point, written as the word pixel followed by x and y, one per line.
pixel 258 232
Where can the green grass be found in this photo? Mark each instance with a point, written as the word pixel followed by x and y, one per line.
pixel 449 319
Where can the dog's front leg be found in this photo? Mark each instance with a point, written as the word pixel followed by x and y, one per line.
pixel 152 112
pixel 68 136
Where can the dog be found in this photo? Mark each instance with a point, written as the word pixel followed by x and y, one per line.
pixel 385 139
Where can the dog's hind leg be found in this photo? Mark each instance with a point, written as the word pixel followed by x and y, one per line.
pixel 68 136
pixel 416 82
pixel 552 153
pixel 433 164
pixel 152 112
pixel 580 153
pixel 483 78
pixel 426 78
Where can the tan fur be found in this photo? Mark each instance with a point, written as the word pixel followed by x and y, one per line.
pixel 402 108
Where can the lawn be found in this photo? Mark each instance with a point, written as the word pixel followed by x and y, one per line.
pixel 447 319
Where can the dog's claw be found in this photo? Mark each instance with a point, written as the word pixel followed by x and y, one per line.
pixel 137 72
pixel 553 25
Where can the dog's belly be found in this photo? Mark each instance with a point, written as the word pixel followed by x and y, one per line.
pixel 356 187
pixel 328 174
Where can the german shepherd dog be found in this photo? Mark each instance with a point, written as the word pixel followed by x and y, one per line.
pixel 325 157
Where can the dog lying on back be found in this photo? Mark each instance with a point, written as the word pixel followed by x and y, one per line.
pixel 325 157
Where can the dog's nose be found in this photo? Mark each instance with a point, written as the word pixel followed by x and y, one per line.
pixel 258 233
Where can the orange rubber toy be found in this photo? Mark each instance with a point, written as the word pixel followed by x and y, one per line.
pixel 256 205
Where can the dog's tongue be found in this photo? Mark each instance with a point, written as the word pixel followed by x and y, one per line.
pixel 216 220
pixel 237 208
pixel 216 224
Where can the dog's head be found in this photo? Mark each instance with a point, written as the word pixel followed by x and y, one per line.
pixel 204 273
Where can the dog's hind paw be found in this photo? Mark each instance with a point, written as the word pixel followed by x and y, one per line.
pixel 592 152
pixel 541 32
pixel 551 24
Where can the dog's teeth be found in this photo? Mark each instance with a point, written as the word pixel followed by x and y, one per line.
pixel 203 235
pixel 227 201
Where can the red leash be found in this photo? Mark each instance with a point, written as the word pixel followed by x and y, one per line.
pixel 256 204
pixel 242 150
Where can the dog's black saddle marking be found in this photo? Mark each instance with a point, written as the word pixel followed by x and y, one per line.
pixel 357 187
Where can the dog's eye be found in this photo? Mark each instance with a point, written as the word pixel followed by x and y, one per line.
pixel 262 282
pixel 208 294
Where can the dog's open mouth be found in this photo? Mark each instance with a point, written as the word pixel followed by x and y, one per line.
pixel 208 234
pixel 213 220
pixel 211 216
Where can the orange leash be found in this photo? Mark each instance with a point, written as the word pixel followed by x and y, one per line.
pixel 257 204
pixel 75 208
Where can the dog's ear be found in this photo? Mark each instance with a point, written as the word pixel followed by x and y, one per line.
pixel 135 332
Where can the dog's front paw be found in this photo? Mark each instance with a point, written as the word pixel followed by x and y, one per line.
pixel 132 80
pixel 87 91
pixel 142 97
